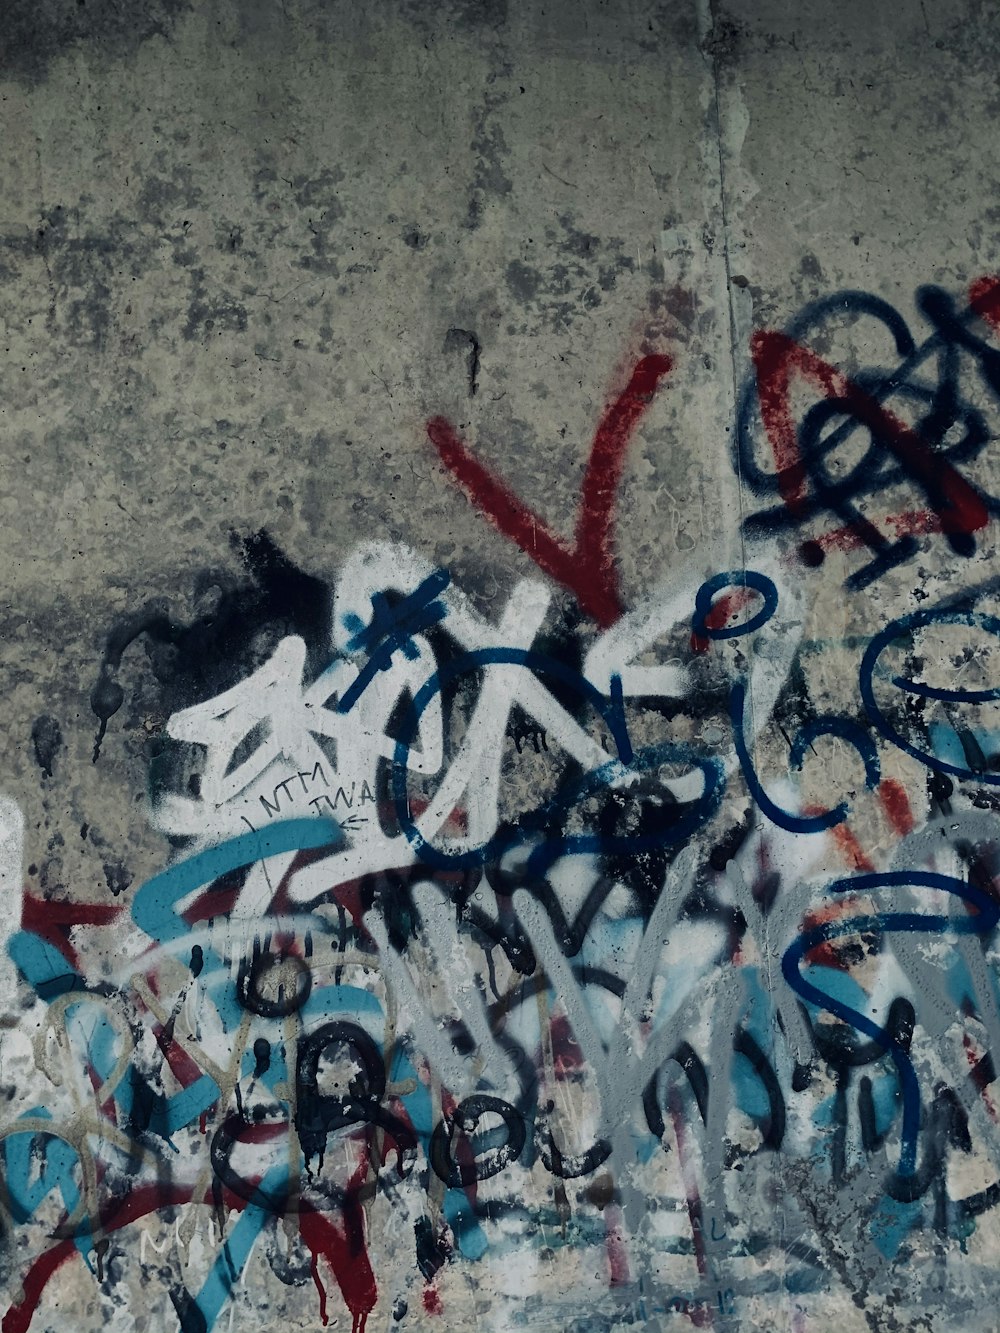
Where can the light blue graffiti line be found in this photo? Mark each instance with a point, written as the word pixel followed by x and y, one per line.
pixel 166 1115
pixel 471 1238
pixel 153 909
pixel 218 1286
pixel 42 966
pixel 893 1223
pixel 56 1171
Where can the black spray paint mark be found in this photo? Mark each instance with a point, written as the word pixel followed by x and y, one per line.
pixel 116 876
pixel 262 1056
pixel 46 737
pixel 194 661
pixel 431 1254
pixel 458 338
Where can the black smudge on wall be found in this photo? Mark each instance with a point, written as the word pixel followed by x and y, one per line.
pixel 46 737
pixel 196 660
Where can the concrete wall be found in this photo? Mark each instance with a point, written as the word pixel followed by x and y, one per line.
pixel 498 666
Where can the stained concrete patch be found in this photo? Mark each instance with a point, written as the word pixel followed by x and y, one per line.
pixel 34 32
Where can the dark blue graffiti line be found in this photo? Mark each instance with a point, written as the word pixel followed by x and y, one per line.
pixel 842 728
pixel 610 711
pixel 884 463
pixel 392 629
pixel 879 386
pixel 897 631
pixel 987 915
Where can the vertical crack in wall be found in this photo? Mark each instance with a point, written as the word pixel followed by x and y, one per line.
pixel 717 40
pixel 710 39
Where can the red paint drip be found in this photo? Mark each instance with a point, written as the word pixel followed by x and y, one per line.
pixel 701 1316
pixel 432 1301
pixel 959 508
pixel 896 805
pixel 150 1199
pixel 587 568
pixel 349 1264
pixel 314 1268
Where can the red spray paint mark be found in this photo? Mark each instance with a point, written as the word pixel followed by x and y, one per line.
pixel 184 1068
pixel 727 605
pixel 984 299
pixel 212 903
pixel 847 844
pixel 432 1301
pixel 776 356
pixel 108 1108
pixel 567 1058
pixel 346 1257
pixel 827 954
pixel 896 805
pixel 587 568
pixel 849 847
pixel 913 523
pixel 147 1199
pixel 349 1264
pixel 52 921
pixel 19 1316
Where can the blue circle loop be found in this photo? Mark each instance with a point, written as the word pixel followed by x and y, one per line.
pixel 733 578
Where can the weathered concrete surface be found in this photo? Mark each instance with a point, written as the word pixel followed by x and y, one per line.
pixel 250 253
